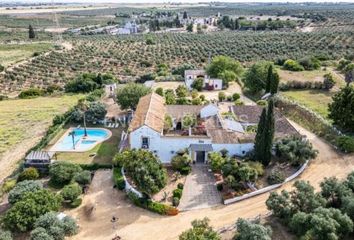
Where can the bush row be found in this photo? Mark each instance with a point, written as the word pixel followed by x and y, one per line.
pixel 301 85
pixel 152 206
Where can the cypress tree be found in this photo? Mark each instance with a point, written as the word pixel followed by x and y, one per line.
pixel 268 134
pixel 274 84
pixel 269 78
pixel 259 141
pixel 237 24
pixel 31 33
pixel 185 15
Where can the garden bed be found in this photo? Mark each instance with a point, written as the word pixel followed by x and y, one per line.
pixel 166 194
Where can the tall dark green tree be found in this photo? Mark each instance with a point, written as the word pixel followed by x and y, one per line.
pixel 31 34
pixel 341 110
pixel 275 83
pixel 268 134
pixel 237 24
pixel 269 78
pixel 259 142
pixel 185 16
pixel 265 134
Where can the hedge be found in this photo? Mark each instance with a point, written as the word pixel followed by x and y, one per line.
pixel 118 178
pixel 95 166
pixel 156 207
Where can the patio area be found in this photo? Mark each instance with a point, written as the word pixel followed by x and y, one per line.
pixel 199 190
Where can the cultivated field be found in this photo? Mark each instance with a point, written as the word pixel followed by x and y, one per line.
pixel 12 53
pixel 23 122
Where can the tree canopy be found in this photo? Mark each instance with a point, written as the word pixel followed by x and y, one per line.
pixel 341 110
pixel 129 95
pixel 250 231
pixel 225 68
pixel 200 231
pixel 255 78
pixel 144 169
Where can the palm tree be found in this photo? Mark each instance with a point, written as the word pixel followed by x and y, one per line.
pixel 72 134
pixel 83 107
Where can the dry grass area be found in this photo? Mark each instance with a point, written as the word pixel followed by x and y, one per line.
pixel 316 100
pixel 22 124
pixel 13 53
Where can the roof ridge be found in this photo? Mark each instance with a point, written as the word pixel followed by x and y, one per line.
pixel 148 110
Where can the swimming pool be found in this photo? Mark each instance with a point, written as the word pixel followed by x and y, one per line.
pixel 80 143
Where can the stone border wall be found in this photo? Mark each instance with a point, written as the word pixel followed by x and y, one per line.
pixel 266 189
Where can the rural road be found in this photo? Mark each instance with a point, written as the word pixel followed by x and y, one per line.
pixel 135 223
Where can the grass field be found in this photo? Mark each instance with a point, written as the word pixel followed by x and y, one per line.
pixel 21 119
pixel 316 100
pixel 12 53
pixel 103 153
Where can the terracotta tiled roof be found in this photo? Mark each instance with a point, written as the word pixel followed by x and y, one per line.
pixel 150 112
pixel 179 111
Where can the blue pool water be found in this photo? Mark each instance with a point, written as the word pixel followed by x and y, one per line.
pixel 94 136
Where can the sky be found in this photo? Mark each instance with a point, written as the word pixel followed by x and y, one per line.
pixel 162 1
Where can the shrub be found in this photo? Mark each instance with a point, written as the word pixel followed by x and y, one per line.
pixel 71 192
pixel 221 96
pixel 31 93
pixel 198 84
pixel 177 193
pixel 8 185
pixel 23 214
pixel 292 65
pixel 40 234
pixel 30 173
pixel 77 202
pixel 180 186
pixel 328 81
pixel 216 161
pixel 62 173
pixel 83 177
pixel 262 102
pixel 258 167
pixel 118 179
pixel 84 83
pixel 295 150
pixel 175 201
pixel 276 177
pixel 238 102
pixel 5 235
pixel 200 230
pixel 54 227
pixel 346 143
pixel 235 96
pixel 22 188
pixel 182 163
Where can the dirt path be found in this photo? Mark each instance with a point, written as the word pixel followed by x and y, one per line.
pixel 135 223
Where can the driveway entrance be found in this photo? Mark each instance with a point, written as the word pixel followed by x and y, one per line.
pixel 199 190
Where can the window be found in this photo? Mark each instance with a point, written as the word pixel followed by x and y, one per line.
pixel 145 142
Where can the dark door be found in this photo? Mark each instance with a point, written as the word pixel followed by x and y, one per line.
pixel 200 157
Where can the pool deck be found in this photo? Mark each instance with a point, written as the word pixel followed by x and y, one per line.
pixel 54 148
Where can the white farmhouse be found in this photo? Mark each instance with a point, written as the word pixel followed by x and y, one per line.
pixel 210 131
pixel 208 83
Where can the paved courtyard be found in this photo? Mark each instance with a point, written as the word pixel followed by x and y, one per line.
pixel 199 190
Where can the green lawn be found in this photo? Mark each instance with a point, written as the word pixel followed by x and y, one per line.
pixel 316 100
pixel 12 53
pixel 25 119
pixel 104 152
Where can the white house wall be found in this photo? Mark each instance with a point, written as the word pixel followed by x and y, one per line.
pixel 234 149
pixel 164 147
